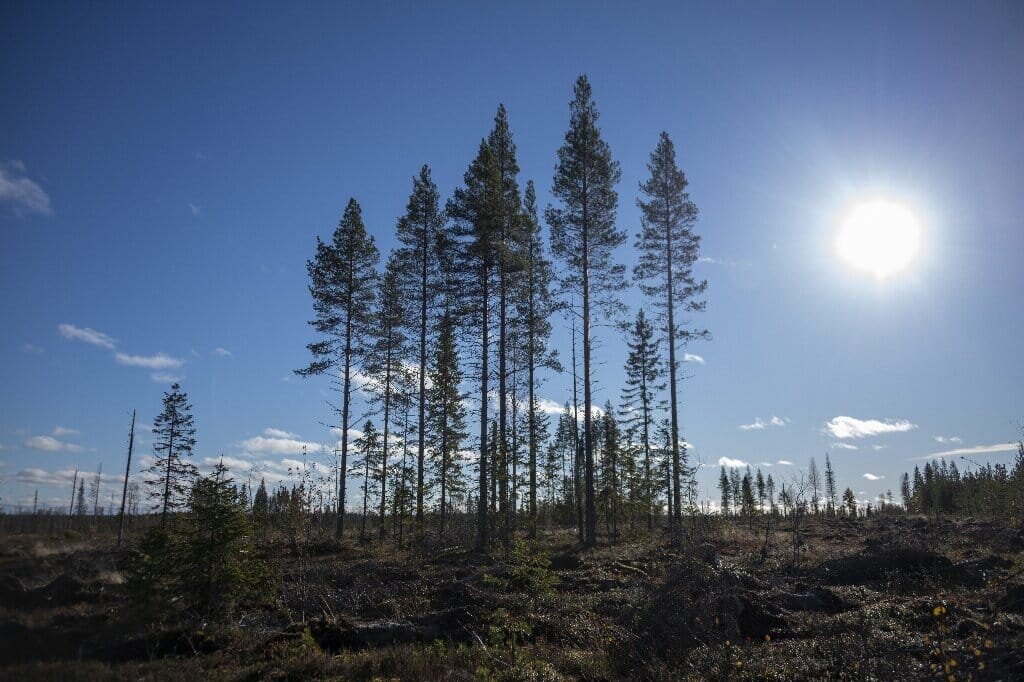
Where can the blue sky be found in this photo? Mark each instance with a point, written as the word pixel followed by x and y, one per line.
pixel 166 170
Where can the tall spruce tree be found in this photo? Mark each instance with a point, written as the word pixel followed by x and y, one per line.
pixel 643 372
pixel 830 485
pixel 174 437
pixel 446 418
pixel 368 446
pixel 343 283
pixel 418 232
pixel 584 236
pixel 476 209
pixel 668 249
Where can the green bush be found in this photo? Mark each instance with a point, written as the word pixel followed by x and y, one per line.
pixel 204 560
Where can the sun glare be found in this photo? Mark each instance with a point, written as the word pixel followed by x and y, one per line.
pixel 880 237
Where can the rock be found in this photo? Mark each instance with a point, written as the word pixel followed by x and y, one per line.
pixel 816 599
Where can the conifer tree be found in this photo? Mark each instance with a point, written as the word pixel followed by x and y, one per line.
pixel 419 231
pixel 668 249
pixel 814 480
pixel 536 308
pixel 830 485
pixel 726 489
pixel 584 236
pixel 476 209
pixel 369 448
pixel 343 280
pixel 447 418
pixel 643 371
pixel 509 264
pixel 850 502
pixel 385 364
pixel 174 436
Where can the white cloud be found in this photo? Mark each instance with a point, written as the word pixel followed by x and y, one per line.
pixel 731 463
pixel 844 446
pixel 549 406
pixel 158 361
pixel 715 261
pixel 20 193
pixel 872 477
pixel 30 349
pixel 278 433
pixel 164 378
pixel 975 450
pixel 277 446
pixel 879 447
pixel 693 357
pixel 948 439
pixel 50 444
pixel 223 352
pixel 784 462
pixel 196 211
pixel 86 334
pixel 850 427
pixel 37 476
pixel 759 423
pixel 61 431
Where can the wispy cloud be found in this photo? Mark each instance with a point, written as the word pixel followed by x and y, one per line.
pixel 61 431
pixel 784 462
pixel 948 439
pixel 165 378
pixel 86 334
pixel 693 357
pixel 710 260
pixel 277 446
pixel 278 433
pixel 158 361
pixel 730 463
pixel 20 193
pixel 196 211
pixel 975 450
pixel 759 424
pixel 873 477
pixel 849 427
pixel 223 352
pixel 30 349
pixel 50 444
pixel 844 446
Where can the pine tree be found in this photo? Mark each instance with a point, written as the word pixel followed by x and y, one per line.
pixel 369 448
pixel 668 249
pixel 419 231
pixel 830 485
pixel 343 281
pixel 476 209
pixel 814 480
pixel 385 365
pixel 760 490
pixel 610 479
pixel 175 437
pixel 643 371
pixel 536 309
pixel 584 236
pixel 850 502
pixel 80 503
pixel 447 418
pixel 261 509
pixel 726 489
pixel 509 265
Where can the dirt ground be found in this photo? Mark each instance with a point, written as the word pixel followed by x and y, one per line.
pixel 883 598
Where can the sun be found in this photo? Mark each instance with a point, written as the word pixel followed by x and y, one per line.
pixel 880 237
